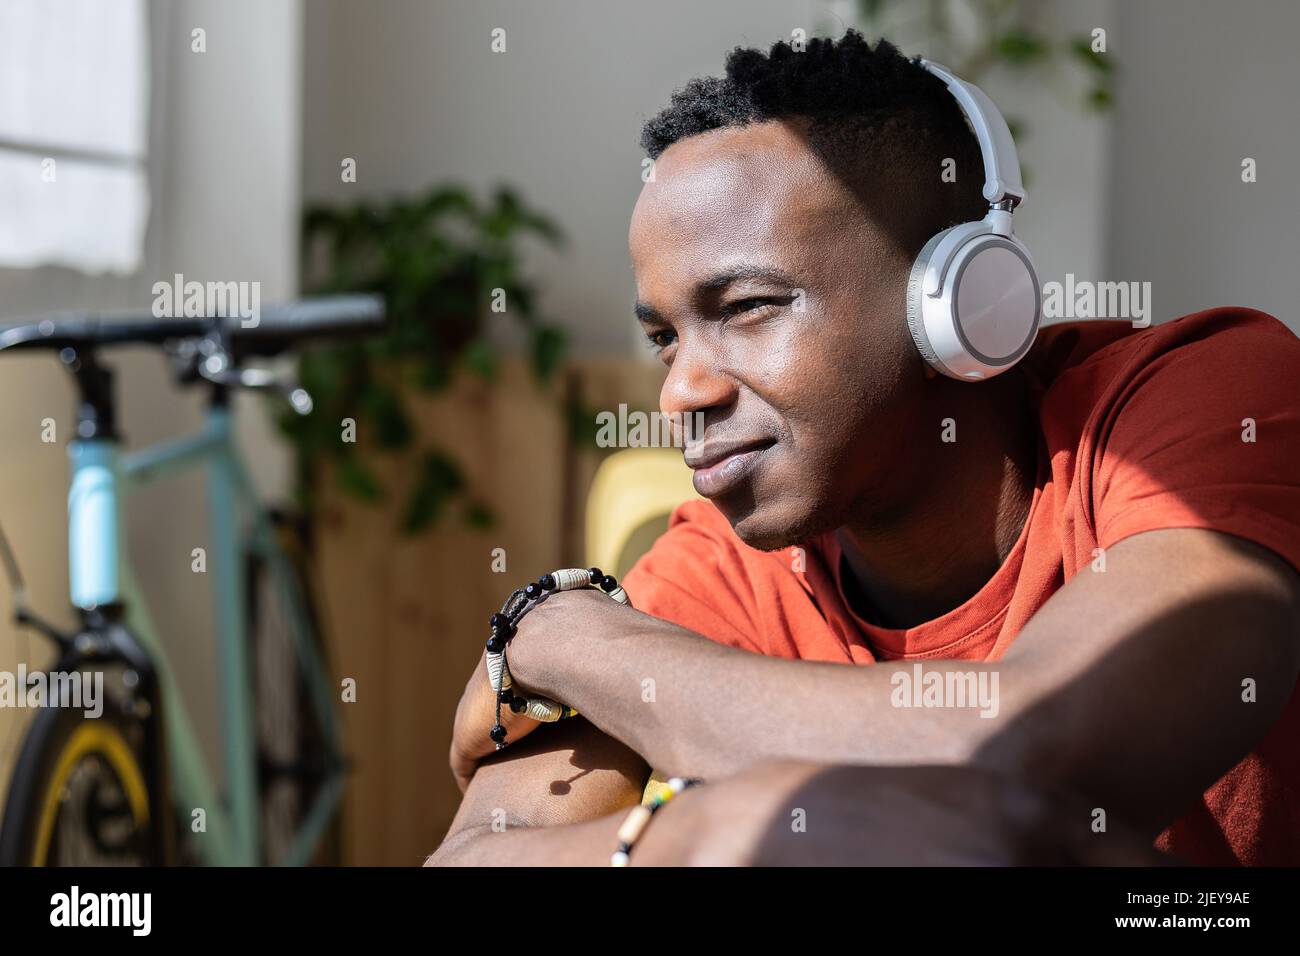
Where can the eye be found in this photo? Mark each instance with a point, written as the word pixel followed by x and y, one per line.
pixel 741 306
pixel 658 341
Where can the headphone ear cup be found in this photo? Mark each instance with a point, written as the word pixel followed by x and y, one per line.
pixel 915 317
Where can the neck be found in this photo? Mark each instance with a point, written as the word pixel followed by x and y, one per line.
pixel 959 514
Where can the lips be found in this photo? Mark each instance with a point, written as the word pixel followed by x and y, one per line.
pixel 720 466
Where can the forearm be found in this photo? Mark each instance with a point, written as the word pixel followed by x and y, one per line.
pixel 1117 734
pixel 727 823
pixel 793 813
pixel 1100 695
pixel 546 800
pixel 691 706
pixel 575 844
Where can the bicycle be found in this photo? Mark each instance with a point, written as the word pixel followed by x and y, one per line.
pixel 127 786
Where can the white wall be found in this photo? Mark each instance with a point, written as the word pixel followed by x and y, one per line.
pixel 225 135
pixel 1064 152
pixel 412 91
pixel 1204 85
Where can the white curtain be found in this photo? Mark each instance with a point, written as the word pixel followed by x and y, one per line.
pixel 73 132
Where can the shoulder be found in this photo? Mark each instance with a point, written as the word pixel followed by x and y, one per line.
pixel 1205 364
pixel 1214 365
pixel 1198 425
pixel 1230 338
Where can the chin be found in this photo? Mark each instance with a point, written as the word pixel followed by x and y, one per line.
pixel 773 525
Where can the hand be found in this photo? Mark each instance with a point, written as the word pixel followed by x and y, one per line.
pixel 475 716
pixel 545 635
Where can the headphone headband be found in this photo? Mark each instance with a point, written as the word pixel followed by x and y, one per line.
pixel 1001 164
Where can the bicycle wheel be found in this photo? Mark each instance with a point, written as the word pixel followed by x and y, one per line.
pixel 294 754
pixel 79 795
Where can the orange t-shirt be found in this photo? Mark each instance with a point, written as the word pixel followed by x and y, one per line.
pixel 1139 430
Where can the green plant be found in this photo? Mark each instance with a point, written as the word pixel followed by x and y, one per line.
pixel 973 36
pixel 442 261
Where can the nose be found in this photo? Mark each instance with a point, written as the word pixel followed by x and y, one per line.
pixel 695 384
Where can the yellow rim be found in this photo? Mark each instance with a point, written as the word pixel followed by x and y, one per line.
pixel 92 737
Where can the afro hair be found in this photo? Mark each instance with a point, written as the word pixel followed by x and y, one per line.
pixel 877 119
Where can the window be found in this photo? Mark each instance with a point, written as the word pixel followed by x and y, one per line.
pixel 73 133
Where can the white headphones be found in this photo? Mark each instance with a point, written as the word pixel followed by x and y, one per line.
pixel 973 300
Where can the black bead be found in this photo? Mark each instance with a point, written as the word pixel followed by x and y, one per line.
pixel 505 633
pixel 518 705
pixel 497 733
pixel 596 575
pixel 547 582
pixel 505 695
pixel 498 620
pixel 496 644
pixel 608 583
pixel 532 591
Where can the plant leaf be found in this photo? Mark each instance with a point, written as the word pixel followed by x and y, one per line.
pixel 481 359
pixel 480 516
pixel 438 481
pixel 1100 99
pixel 548 346
pixel 870 9
pixel 357 480
pixel 1081 47
pixel 1020 47
pixel 383 407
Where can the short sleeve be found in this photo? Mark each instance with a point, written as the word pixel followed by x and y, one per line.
pixel 694 577
pixel 1207 435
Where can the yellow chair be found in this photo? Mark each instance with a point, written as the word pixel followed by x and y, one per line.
pixel 632 495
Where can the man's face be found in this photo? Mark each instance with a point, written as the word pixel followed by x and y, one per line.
pixel 779 306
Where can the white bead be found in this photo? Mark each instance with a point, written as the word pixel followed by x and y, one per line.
pixel 498 672
pixel 619 859
pixel 540 708
pixel 619 595
pixel 569 579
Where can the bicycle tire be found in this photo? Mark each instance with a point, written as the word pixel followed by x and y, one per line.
pixel 40 820
pixel 292 748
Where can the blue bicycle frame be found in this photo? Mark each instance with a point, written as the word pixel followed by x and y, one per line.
pixel 101 574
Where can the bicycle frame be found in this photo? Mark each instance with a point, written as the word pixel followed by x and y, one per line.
pixel 101 573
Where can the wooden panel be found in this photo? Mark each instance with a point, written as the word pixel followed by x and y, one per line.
pixel 406 617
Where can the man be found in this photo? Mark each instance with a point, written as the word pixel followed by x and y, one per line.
pixel 1107 535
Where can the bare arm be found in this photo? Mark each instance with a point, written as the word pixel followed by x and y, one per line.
pixel 546 801
pixel 558 797
pixel 793 813
pixel 1126 686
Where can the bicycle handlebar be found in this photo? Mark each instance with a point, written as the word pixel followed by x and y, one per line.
pixel 277 327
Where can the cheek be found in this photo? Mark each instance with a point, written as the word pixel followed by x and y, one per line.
pixel 830 380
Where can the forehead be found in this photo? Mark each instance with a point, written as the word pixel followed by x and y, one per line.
pixel 740 193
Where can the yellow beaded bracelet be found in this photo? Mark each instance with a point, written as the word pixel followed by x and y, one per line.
pixel 639 818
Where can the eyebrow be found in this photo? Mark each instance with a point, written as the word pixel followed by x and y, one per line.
pixel 720 280
pixel 646 315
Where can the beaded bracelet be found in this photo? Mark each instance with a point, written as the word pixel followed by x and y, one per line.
pixel 504 624
pixel 639 818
